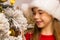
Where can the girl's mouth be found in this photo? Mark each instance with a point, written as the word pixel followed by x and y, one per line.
pixel 38 22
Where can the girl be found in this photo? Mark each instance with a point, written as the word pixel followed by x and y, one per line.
pixel 47 22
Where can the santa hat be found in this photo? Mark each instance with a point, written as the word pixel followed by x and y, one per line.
pixel 50 6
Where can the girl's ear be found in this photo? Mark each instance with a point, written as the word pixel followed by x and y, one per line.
pixel 52 17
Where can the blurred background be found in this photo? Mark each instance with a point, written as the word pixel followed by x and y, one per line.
pixel 19 2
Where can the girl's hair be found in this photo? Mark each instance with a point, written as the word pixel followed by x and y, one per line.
pixel 36 32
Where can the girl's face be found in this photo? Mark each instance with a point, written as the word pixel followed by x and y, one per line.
pixel 42 18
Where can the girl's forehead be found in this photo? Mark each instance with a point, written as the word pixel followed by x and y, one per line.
pixel 36 9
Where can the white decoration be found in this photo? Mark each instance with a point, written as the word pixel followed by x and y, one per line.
pixel 18 20
pixel 4 25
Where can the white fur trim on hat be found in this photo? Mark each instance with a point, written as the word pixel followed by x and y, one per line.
pixel 50 6
pixel 57 13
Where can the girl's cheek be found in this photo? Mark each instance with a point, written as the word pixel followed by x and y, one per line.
pixel 46 18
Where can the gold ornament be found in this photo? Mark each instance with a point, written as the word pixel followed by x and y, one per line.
pixel 12 32
pixel 3 1
pixel 12 2
pixel 0 8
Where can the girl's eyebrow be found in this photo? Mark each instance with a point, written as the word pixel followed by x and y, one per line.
pixel 39 10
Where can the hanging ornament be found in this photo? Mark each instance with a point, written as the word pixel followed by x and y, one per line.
pixel 0 8
pixel 12 2
pixel 3 1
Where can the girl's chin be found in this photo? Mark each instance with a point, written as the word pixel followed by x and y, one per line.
pixel 40 26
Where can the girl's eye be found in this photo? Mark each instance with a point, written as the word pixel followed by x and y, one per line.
pixel 40 13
